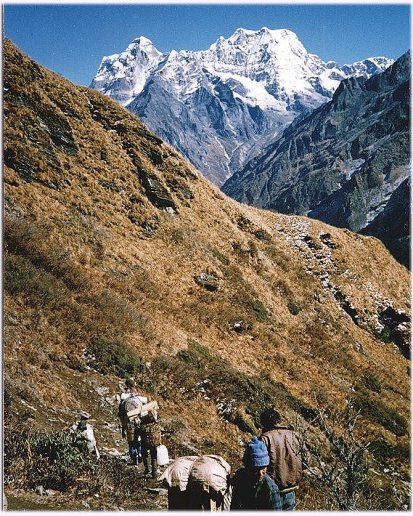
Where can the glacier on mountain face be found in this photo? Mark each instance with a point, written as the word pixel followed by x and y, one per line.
pixel 221 106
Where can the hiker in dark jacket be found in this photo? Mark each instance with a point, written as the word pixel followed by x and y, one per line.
pixel 288 456
pixel 130 429
pixel 252 488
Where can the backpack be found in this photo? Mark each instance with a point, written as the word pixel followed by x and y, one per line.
pixel 210 471
pixel 151 434
pixel 149 412
pixel 132 403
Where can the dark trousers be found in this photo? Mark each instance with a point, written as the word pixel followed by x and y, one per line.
pixel 198 499
pixel 146 451
pixel 177 499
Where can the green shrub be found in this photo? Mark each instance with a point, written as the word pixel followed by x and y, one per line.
pixel 371 381
pixel 260 312
pixel 221 257
pixel 111 357
pixel 385 334
pixel 384 451
pixel 52 460
pixel 294 307
pixel 178 236
pixel 195 354
pixel 239 398
pixel 26 239
pixel 40 288
pixel 60 447
pixel 19 275
pixel 377 411
pixel 261 234
pixel 243 222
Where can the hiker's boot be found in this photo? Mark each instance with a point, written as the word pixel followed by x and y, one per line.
pixel 154 464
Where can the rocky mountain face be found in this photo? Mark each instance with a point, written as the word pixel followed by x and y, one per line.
pixel 121 259
pixel 220 107
pixel 347 163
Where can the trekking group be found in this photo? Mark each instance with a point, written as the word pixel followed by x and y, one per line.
pixel 140 426
pixel 272 464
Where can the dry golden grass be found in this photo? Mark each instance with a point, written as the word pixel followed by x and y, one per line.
pixel 121 268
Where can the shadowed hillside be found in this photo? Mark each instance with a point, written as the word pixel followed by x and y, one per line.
pixel 121 260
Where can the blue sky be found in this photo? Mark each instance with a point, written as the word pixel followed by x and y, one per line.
pixel 71 39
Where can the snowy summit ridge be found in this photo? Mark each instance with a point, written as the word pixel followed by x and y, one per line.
pixel 220 106
pixel 126 73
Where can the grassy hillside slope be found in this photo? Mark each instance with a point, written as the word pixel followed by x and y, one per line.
pixel 120 260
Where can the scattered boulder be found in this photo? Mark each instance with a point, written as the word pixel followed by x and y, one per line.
pixel 148 227
pixel 396 322
pixel 156 192
pixel 208 281
pixel 39 490
pixel 240 326
pixel 326 239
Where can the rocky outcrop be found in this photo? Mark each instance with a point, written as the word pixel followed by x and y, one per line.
pixel 392 224
pixel 389 324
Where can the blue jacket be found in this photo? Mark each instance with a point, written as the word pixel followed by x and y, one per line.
pixel 249 494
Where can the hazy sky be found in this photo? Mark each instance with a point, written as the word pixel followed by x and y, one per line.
pixel 71 39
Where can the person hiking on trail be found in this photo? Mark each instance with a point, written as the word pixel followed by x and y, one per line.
pixel 252 488
pixel 130 429
pixel 207 487
pixel 288 456
pixel 197 483
pixel 150 433
pixel 85 434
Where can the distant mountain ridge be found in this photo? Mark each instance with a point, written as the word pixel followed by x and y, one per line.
pixel 220 107
pixel 344 162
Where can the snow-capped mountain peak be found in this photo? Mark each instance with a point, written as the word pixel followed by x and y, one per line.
pixel 143 41
pixel 123 76
pixel 257 49
pixel 221 105
pixel 367 67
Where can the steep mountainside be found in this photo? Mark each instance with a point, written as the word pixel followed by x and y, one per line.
pixel 220 107
pixel 347 163
pixel 122 260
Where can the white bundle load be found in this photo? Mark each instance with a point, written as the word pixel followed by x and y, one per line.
pixel 207 470
pixel 152 406
pixel 162 455
pixel 177 473
pixel 210 471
